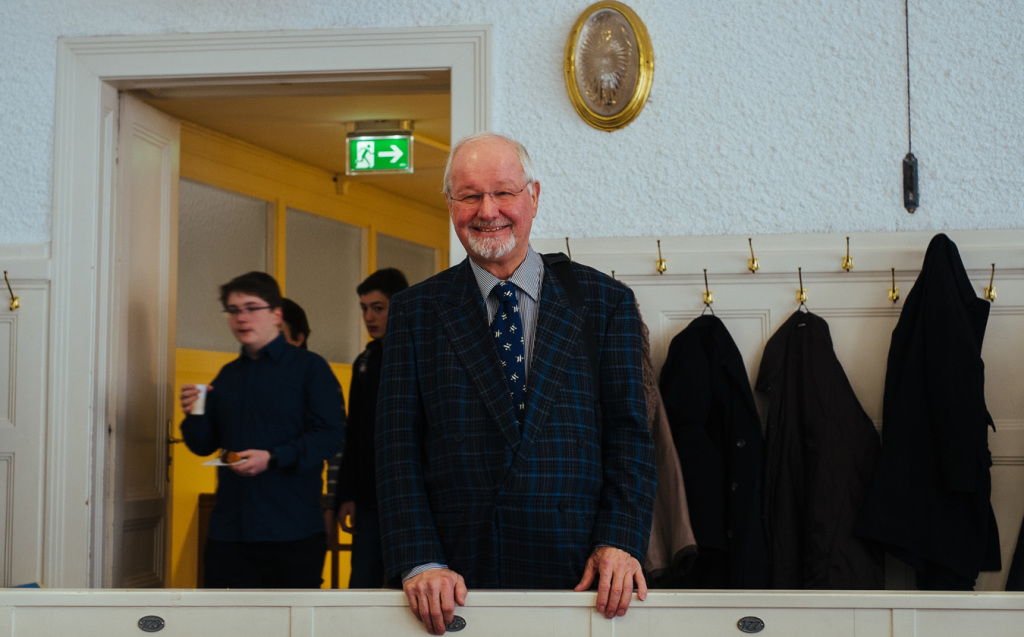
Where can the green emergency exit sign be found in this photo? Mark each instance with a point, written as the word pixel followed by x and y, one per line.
pixel 379 154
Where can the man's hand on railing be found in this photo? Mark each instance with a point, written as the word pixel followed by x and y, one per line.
pixel 433 595
pixel 616 572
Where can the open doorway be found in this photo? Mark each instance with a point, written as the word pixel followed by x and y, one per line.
pixel 260 161
pixel 86 257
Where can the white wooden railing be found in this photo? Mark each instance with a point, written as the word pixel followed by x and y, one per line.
pixel 324 613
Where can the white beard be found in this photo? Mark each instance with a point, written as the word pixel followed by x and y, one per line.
pixel 491 247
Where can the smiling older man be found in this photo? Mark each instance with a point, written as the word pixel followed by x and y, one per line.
pixel 500 461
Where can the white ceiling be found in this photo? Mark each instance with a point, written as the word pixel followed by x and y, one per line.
pixel 305 117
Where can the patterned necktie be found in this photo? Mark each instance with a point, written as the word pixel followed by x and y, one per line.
pixel 507 328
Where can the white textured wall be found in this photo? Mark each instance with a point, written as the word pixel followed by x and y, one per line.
pixel 765 116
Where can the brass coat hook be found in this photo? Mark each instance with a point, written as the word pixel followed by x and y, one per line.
pixel 709 296
pixel 847 260
pixel 660 264
pixel 752 264
pixel 801 293
pixel 990 290
pixel 15 303
pixel 567 250
pixel 894 292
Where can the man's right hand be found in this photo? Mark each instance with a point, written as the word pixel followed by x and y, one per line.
pixel 188 397
pixel 433 595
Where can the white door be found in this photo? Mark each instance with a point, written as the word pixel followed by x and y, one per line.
pixel 143 338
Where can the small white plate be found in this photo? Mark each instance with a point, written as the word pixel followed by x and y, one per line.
pixel 217 462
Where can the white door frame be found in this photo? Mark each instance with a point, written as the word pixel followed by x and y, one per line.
pixel 89 73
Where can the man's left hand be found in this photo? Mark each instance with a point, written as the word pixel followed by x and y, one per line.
pixel 616 572
pixel 255 462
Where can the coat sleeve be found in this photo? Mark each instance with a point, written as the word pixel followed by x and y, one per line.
pixel 627 495
pixel 408 535
pixel 202 433
pixel 344 488
pixel 955 386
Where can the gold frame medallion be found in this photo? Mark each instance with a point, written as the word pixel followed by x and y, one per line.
pixel 609 65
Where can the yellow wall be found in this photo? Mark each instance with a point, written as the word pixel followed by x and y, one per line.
pixel 227 163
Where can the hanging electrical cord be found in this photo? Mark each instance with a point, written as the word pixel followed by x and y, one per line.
pixel 911 194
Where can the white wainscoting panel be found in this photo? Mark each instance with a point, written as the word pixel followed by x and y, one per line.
pixel 23 355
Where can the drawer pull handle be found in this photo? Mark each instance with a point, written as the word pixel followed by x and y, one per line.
pixel 750 625
pixel 151 624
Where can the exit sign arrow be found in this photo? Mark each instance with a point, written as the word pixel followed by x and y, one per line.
pixel 395 153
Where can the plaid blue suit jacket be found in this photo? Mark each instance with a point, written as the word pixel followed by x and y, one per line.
pixel 458 484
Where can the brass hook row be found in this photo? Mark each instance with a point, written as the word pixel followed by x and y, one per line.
pixel 15 302
pixel 661 266
pixel 753 265
pixel 801 293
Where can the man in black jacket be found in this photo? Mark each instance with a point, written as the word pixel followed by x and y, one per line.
pixel 356 489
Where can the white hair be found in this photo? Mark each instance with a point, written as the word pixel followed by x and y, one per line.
pixel 524 157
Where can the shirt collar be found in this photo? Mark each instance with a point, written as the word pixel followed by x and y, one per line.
pixel 527 276
pixel 273 350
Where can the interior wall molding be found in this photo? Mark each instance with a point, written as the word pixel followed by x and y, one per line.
pixel 25 261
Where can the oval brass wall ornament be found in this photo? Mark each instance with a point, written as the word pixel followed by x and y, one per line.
pixel 609 65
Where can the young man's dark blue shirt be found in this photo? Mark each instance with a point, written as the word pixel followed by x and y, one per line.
pixel 287 401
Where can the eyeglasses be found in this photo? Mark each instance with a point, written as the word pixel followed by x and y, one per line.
pixel 245 311
pixel 500 197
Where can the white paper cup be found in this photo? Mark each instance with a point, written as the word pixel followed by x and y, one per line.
pixel 199 407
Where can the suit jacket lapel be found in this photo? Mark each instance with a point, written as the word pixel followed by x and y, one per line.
pixel 464 320
pixel 559 333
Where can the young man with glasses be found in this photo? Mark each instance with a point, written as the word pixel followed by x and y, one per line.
pixel 280 410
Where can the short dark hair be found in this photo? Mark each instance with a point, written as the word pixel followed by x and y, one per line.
pixel 293 314
pixel 389 281
pixel 253 283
